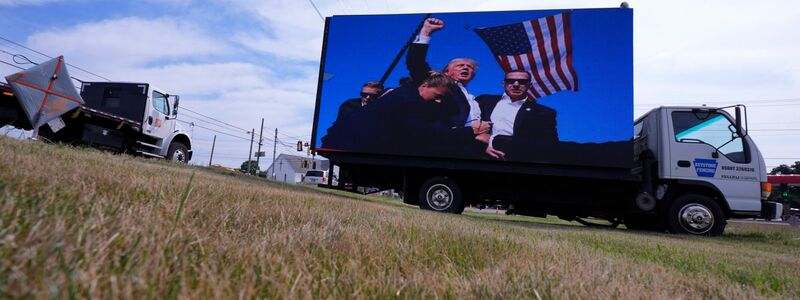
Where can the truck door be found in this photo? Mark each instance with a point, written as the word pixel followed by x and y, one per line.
pixel 155 116
pixel 695 137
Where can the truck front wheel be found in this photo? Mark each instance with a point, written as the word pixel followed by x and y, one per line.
pixel 441 194
pixel 696 215
pixel 178 152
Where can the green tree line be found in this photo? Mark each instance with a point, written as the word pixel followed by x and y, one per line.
pixel 792 193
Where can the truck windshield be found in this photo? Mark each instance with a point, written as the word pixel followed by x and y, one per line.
pixel 160 103
pixel 710 128
pixel 637 129
pixel 315 173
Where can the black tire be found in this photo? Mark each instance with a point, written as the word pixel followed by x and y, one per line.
pixel 178 152
pixel 441 194
pixel 695 214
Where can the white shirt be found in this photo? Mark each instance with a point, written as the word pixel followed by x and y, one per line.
pixel 474 107
pixel 503 117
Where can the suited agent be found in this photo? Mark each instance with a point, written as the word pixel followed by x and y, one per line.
pixel 521 127
pixel 464 114
pixel 406 120
pixel 370 91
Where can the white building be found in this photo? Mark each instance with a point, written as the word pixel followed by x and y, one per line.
pixel 291 168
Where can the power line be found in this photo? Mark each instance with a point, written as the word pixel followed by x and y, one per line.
pixel 295 137
pixel 220 132
pixel 48 56
pixel 222 122
pixel 286 145
pixel 196 119
pixel 14 57
pixel 222 127
pixel 232 156
pixel 13 65
pixel 215 119
pixel 316 9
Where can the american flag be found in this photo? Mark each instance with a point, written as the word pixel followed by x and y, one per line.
pixel 542 46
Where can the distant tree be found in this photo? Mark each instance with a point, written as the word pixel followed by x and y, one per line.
pixel 783 169
pixel 793 198
pixel 249 166
pixel 786 169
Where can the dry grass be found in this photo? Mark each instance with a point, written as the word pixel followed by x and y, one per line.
pixel 78 223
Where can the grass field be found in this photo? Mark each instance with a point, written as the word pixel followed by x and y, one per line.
pixel 79 223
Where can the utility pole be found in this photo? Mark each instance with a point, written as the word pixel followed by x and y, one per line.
pixel 274 147
pixel 213 144
pixel 250 154
pixel 260 140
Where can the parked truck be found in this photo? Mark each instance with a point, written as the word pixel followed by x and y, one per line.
pixel 685 169
pixel 136 118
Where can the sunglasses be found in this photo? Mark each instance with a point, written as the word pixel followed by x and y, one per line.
pixel 368 95
pixel 520 81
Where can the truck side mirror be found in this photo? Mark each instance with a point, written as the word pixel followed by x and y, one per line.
pixel 175 105
pixel 739 131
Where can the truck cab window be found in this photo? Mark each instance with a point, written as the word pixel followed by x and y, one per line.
pixel 637 129
pixel 709 128
pixel 160 103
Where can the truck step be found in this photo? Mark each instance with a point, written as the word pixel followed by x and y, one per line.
pixel 148 145
pixel 144 153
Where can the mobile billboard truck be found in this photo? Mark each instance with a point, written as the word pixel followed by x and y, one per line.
pixel 530 110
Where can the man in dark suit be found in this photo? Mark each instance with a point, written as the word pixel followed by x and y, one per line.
pixel 404 121
pixel 521 127
pixel 369 92
pixel 463 112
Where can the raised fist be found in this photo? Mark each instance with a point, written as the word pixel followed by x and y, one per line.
pixel 431 25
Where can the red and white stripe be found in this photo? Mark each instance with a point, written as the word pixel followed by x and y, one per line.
pixel 550 59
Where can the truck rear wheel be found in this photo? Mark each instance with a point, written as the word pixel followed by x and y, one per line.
pixel 696 215
pixel 441 194
pixel 178 152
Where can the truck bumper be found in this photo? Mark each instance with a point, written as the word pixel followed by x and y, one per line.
pixel 771 210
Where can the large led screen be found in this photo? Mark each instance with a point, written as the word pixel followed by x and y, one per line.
pixel 544 86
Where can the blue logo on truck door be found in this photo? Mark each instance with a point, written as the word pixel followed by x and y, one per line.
pixel 705 167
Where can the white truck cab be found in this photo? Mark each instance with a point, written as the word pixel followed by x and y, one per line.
pixel 152 113
pixel 161 112
pixel 706 154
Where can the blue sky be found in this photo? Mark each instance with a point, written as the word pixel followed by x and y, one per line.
pixel 241 60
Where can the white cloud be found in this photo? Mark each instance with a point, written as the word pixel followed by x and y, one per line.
pixel 716 50
pixel 202 78
pixel 296 49
pixel 291 29
pixel 113 44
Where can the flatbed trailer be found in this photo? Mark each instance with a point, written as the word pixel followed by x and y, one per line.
pixel 134 118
